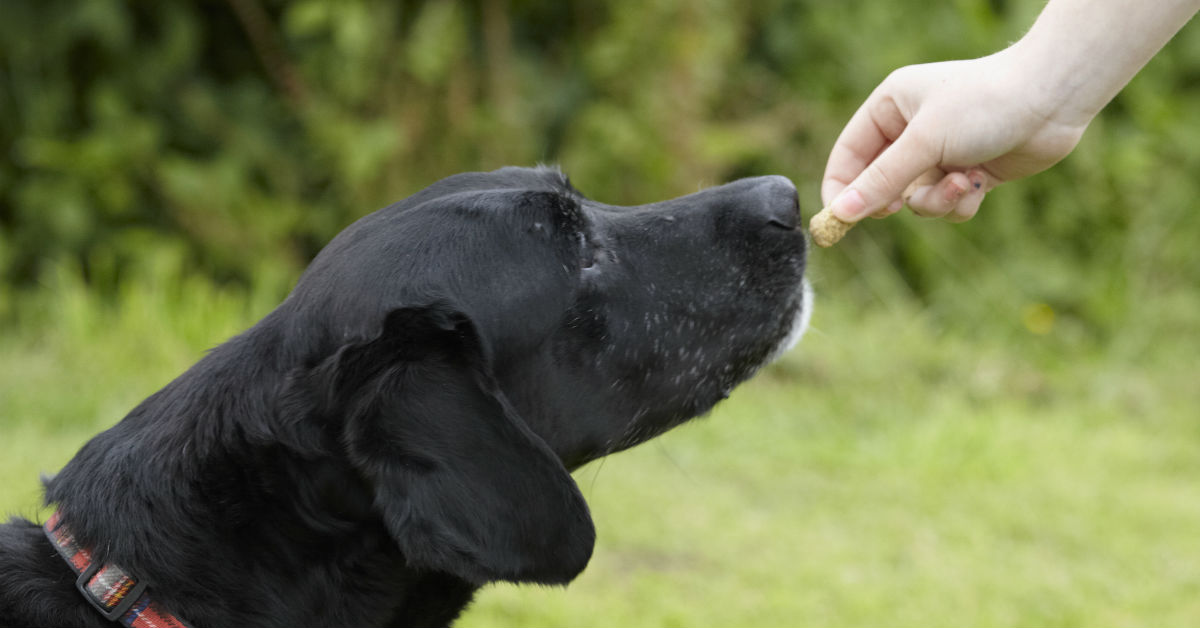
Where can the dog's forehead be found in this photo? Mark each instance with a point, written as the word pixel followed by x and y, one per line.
pixel 541 178
pixel 537 199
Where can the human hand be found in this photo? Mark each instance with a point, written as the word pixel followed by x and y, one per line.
pixel 939 136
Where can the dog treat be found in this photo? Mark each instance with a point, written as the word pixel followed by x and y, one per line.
pixel 827 229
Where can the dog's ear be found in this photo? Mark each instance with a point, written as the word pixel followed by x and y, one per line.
pixel 464 486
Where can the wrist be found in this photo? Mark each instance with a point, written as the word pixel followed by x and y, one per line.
pixel 1057 86
pixel 1080 53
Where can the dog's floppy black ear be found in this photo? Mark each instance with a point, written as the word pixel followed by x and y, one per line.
pixel 463 485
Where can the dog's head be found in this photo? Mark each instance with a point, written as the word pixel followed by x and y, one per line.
pixel 477 339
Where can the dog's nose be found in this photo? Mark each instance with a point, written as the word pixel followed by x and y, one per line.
pixel 775 202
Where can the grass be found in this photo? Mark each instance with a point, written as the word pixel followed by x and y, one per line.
pixel 893 470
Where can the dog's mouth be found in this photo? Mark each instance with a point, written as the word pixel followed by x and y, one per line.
pixel 704 392
pixel 799 325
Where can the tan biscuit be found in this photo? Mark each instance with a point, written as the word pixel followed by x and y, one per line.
pixel 827 229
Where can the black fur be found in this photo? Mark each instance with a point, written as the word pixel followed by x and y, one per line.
pixel 400 430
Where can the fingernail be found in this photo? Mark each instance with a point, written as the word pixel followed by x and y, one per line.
pixel 850 206
pixel 896 206
pixel 977 179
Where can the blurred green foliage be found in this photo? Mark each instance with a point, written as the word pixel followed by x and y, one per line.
pixel 243 134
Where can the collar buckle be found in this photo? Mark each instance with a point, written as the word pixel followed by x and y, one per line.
pixel 113 613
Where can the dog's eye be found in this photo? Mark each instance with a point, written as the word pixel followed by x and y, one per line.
pixel 587 257
pixel 592 254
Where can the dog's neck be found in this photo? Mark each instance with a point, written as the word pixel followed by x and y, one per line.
pixel 216 442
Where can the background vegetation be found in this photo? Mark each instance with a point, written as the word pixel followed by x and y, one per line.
pixel 993 423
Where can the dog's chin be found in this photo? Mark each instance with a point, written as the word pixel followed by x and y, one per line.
pixel 801 306
pixel 804 308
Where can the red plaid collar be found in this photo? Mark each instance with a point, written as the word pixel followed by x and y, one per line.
pixel 117 594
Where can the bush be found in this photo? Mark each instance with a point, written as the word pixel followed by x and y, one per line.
pixel 248 132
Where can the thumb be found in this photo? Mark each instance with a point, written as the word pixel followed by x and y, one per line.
pixel 884 180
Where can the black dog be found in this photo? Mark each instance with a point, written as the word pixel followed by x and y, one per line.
pixel 399 431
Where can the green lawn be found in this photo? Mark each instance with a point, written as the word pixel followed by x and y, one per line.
pixel 893 470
